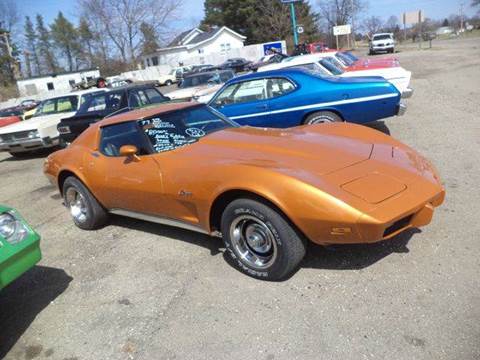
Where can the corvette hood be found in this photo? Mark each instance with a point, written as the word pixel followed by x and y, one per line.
pixel 296 149
pixel 35 123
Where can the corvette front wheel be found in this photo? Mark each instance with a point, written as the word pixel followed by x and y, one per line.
pixel 260 241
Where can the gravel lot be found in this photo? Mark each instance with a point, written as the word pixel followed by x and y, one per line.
pixel 135 290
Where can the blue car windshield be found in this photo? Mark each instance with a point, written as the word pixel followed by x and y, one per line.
pixel 330 66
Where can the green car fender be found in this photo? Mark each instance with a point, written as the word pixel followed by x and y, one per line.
pixel 19 246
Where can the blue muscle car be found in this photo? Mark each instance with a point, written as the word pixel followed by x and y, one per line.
pixel 296 96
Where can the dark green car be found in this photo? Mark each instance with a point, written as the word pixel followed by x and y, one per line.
pixel 19 246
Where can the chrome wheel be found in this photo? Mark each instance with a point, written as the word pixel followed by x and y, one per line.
pixel 77 205
pixel 253 241
pixel 320 120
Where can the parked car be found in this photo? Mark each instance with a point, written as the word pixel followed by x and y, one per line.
pixel 40 132
pixel 265 191
pixel 202 86
pixel 10 116
pixel 199 69
pixel 295 97
pixel 267 59
pixel 97 106
pixel 235 64
pixel 351 62
pixel 168 79
pixel 383 42
pixel 19 246
pixel 326 65
pixel 317 47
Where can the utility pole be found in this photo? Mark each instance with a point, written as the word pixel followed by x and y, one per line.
pixel 462 16
pixel 353 23
pixel 294 23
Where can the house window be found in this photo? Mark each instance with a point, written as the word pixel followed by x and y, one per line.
pixel 71 82
pixel 148 62
pixel 50 86
pixel 225 48
pixel 155 60
pixel 89 78
pixel 201 51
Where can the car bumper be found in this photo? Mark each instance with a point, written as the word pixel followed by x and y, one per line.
pixel 19 146
pixel 402 109
pixel 382 48
pixel 408 93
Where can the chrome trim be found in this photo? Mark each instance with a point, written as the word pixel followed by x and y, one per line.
pixel 402 109
pixel 159 220
pixel 408 93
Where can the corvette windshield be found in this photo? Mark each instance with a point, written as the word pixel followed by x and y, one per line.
pixel 180 128
pixel 350 56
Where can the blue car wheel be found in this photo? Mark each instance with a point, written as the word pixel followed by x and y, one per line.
pixel 322 117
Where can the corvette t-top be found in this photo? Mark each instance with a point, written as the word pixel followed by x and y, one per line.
pixel 265 191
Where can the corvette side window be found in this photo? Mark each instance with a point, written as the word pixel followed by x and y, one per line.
pixel 127 133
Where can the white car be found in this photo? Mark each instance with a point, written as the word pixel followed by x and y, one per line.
pixel 170 78
pixel 40 131
pixel 382 42
pixel 201 86
pixel 328 65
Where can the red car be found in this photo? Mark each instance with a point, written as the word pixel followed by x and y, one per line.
pixel 10 116
pixel 354 63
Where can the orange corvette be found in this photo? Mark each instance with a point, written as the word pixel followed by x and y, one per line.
pixel 265 191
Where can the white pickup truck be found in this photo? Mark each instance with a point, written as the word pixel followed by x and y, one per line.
pixel 382 42
pixel 40 131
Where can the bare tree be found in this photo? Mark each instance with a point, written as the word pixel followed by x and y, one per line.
pixel 341 12
pixel 372 25
pixel 121 20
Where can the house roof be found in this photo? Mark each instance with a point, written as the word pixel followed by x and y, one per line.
pixel 182 39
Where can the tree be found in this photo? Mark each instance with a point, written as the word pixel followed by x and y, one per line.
pixel 9 17
pixel 372 25
pixel 475 2
pixel 149 39
pixel 65 37
pixel 86 42
pixel 446 23
pixel 45 48
pixel 341 12
pixel 120 21
pixel 31 50
pixel 275 22
pixel 391 24
pixel 236 14
pixel 9 64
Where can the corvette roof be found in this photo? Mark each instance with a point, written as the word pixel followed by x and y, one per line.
pixel 146 112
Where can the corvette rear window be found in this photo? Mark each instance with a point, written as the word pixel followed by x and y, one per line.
pixel 180 128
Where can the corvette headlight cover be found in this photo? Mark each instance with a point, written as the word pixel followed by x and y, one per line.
pixel 12 229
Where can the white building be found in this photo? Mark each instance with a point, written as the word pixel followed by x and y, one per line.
pixel 54 84
pixel 198 45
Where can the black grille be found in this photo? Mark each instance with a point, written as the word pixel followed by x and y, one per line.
pixel 397 225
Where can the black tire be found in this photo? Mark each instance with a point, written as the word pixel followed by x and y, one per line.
pixel 320 117
pixel 168 82
pixel 288 246
pixel 95 215
pixel 20 155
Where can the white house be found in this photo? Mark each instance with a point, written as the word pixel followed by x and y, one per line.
pixel 196 44
pixel 55 83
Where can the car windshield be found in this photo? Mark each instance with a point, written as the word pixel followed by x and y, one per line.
pixel 313 68
pixel 202 79
pixel 345 59
pixel 350 56
pixel 330 66
pixel 57 105
pixel 180 128
pixel 105 102
pixel 382 37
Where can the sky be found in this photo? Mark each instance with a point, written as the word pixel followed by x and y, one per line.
pixel 192 11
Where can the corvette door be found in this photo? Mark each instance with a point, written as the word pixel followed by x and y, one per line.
pixel 245 102
pixel 132 184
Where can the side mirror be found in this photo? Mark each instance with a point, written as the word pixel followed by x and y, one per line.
pixel 130 151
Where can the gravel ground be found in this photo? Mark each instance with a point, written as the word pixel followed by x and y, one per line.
pixel 135 290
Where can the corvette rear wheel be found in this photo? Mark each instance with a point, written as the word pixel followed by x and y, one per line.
pixel 322 117
pixel 86 211
pixel 260 241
